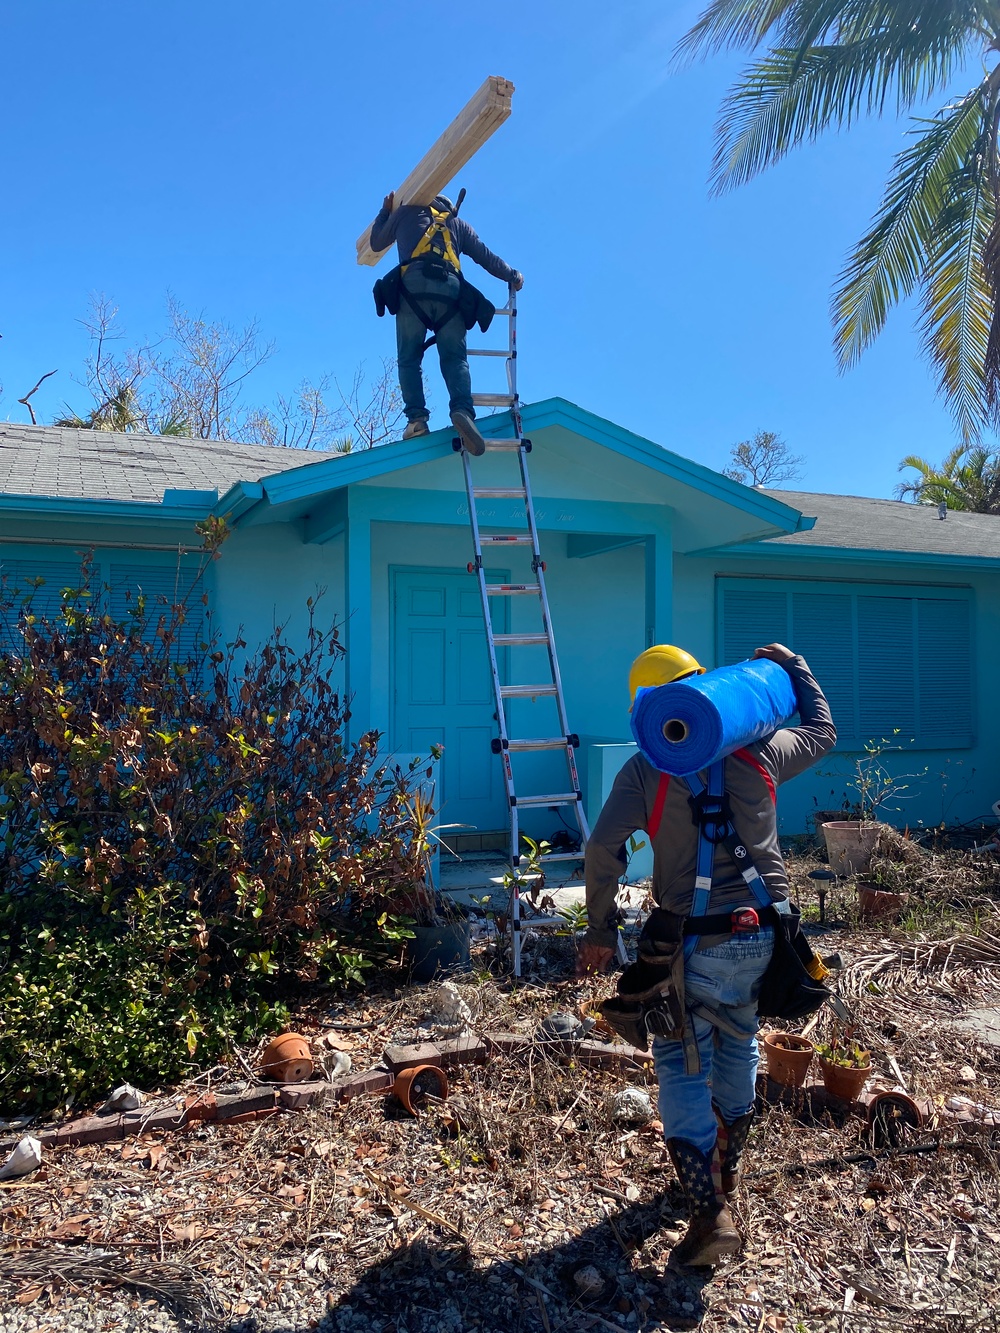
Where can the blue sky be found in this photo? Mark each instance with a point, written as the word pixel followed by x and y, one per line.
pixel 230 153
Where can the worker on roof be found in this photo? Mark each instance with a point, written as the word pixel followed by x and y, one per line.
pixel 428 293
pixel 706 1078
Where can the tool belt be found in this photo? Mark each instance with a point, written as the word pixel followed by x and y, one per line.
pixel 791 987
pixel 650 999
pixel 471 306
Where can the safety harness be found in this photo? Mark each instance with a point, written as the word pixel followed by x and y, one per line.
pixel 437 242
pixel 437 256
pixel 711 811
pixel 651 997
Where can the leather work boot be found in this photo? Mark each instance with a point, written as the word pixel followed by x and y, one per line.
pixel 732 1140
pixel 415 428
pixel 711 1233
pixel 469 432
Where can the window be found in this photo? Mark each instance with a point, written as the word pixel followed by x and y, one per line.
pixel 113 584
pixel 886 657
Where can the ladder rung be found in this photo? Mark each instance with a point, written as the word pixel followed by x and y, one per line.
pixel 503 310
pixel 499 492
pixel 547 743
pixel 501 444
pixel 508 539
pixel 520 640
pixel 511 589
pixel 555 856
pixel 525 691
pixel 485 351
pixel 562 798
pixel 493 399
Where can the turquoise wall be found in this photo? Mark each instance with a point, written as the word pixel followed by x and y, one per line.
pixel 959 784
pixel 264 578
pixel 598 607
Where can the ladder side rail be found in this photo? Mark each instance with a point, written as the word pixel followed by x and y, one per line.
pixel 487 622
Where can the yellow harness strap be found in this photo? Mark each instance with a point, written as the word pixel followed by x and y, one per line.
pixel 438 240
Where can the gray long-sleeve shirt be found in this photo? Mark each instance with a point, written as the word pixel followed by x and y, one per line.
pixel 633 800
pixel 406 224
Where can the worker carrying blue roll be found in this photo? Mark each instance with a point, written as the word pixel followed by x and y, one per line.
pixel 687 724
pixel 721 943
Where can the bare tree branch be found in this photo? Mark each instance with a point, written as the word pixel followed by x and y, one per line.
pixel 24 401
pixel 764 460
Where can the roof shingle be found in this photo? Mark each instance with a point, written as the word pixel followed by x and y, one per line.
pixel 106 465
pixel 857 522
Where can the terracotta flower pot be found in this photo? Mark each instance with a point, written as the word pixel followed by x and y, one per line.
pixel 843 1082
pixel 788 1063
pixel 875 904
pixel 287 1058
pixel 414 1086
pixel 849 845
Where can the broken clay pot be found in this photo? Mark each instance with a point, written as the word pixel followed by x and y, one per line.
pixel 413 1086
pixel 287 1059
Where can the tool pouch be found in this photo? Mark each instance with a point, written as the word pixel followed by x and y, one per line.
pixel 650 999
pixel 787 990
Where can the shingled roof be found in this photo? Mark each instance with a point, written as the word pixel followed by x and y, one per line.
pixel 107 465
pixel 856 522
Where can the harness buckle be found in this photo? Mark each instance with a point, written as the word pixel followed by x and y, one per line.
pixel 712 815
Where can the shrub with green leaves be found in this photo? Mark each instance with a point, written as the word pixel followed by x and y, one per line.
pixel 184 844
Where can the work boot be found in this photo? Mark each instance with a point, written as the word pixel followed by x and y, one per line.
pixel 415 428
pixel 711 1233
pixel 732 1140
pixel 469 432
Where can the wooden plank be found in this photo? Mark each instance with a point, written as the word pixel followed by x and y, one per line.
pixel 481 117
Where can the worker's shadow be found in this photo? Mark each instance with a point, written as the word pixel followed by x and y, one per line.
pixel 427 1286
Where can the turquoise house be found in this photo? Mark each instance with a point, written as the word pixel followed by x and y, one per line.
pixel 897 610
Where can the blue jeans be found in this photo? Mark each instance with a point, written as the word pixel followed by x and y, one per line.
pixel 410 336
pixel 726 978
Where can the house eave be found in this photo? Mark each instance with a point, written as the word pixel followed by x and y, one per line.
pixel 853 554
pixel 171 511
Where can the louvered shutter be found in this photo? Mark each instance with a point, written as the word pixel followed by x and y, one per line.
pixel 46 600
pixel 894 663
pixel 823 632
pixel 886 685
pixel 163 587
pixel 751 617
pixel 944 674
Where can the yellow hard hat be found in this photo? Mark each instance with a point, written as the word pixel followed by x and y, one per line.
pixel 660 665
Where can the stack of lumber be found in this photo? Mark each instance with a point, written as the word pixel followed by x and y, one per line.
pixel 481 116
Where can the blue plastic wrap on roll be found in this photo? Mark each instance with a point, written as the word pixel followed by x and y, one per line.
pixel 684 727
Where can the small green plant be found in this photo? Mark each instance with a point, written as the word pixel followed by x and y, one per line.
pixel 575 916
pixel 850 1056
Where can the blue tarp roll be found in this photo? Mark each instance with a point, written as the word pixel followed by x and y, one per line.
pixel 684 727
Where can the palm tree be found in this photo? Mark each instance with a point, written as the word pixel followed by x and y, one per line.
pixel 969 478
pixel 827 63
pixel 123 412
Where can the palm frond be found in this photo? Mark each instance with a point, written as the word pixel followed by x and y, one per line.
pixel 957 301
pixel 799 25
pixel 732 23
pixel 791 97
pixel 888 263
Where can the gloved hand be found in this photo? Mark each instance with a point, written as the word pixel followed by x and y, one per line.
pixel 388 201
pixel 592 958
pixel 517 281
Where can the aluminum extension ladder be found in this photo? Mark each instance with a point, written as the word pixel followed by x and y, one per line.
pixel 504 745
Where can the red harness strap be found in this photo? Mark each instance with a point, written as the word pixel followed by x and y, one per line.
pixel 750 759
pixel 664 785
pixel 661 799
